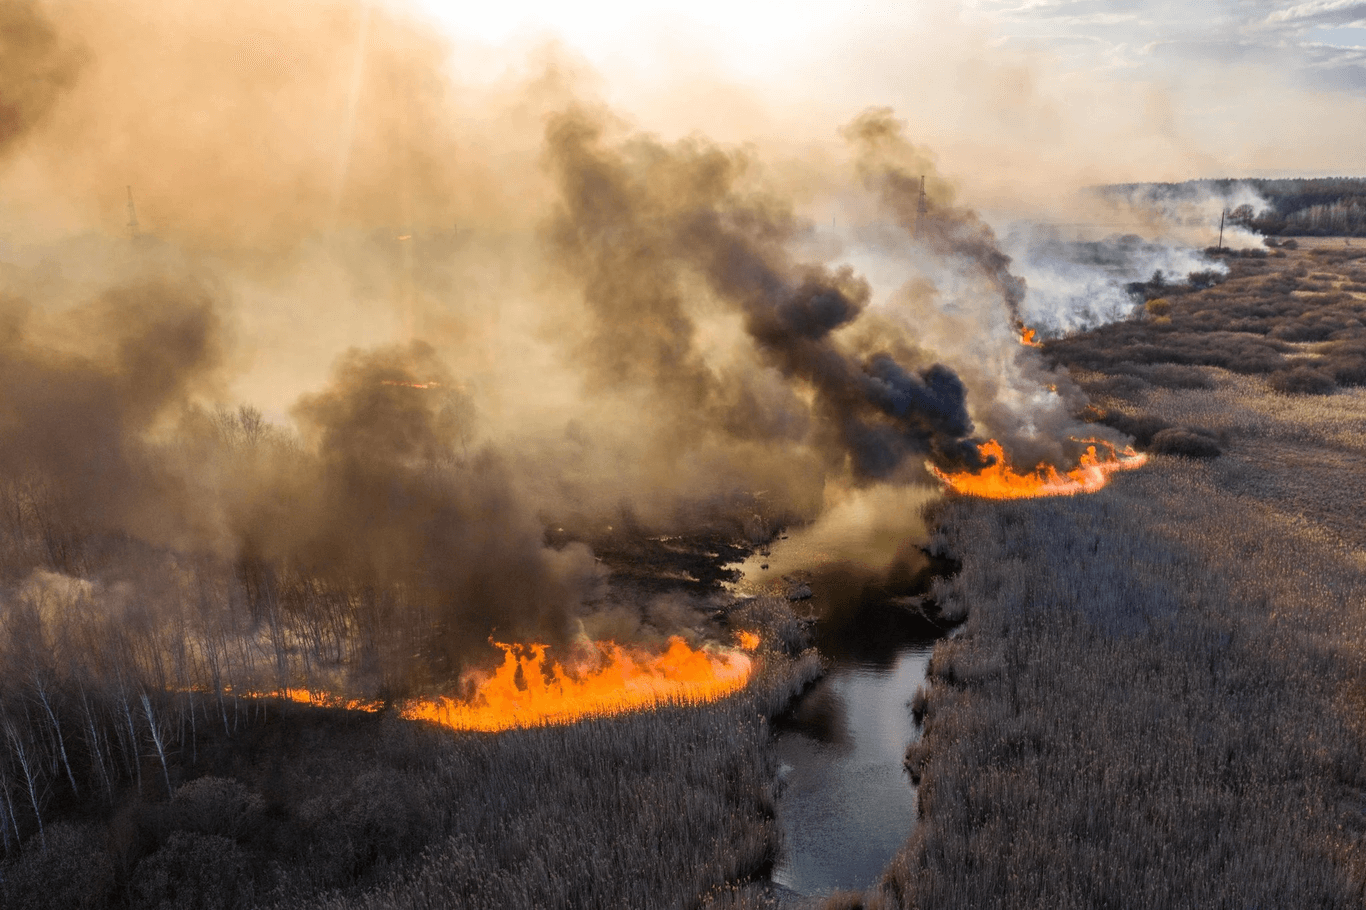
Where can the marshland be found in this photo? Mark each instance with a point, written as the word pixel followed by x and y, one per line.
pixel 442 470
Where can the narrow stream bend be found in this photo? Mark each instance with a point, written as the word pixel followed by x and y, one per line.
pixel 846 803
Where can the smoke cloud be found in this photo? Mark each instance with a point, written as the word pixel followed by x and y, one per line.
pixel 889 164
pixel 379 331
pixel 35 68
pixel 637 223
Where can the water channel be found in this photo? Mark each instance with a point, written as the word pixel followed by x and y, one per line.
pixel 847 804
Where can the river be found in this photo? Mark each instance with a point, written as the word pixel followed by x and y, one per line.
pixel 847 805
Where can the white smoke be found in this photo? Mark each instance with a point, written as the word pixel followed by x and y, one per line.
pixel 1078 284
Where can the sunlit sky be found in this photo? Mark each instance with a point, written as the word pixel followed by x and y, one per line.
pixel 1169 89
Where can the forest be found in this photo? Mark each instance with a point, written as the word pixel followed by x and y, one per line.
pixel 1284 207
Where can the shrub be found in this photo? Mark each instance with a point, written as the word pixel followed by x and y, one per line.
pixel 194 872
pixel 1142 427
pixel 72 871
pixel 774 622
pixel 1347 370
pixel 1121 386
pixel 215 806
pixel 917 756
pixel 1176 376
pixel 1302 380
pixel 1191 443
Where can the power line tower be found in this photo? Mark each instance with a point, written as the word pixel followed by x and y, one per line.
pixel 132 216
pixel 921 207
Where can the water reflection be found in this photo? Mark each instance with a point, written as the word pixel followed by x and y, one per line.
pixel 848 805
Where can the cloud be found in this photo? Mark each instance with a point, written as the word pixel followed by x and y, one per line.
pixel 1338 12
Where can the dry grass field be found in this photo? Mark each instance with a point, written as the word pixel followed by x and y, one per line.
pixel 1158 699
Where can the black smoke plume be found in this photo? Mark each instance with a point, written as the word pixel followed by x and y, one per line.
pixel 83 396
pixel 471 345
pixel 641 222
pixel 894 168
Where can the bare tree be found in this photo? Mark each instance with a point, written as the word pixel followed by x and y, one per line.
pixel 43 697
pixel 157 740
pixel 28 764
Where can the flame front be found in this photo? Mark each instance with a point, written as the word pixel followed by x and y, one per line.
pixel 1001 481
pixel 1028 337
pixel 528 691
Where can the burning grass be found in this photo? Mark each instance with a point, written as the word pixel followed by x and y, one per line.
pixel 530 690
pixel 1002 481
pixel 527 691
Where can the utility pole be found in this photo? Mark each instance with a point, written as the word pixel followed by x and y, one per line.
pixel 921 207
pixel 132 215
pixel 1222 215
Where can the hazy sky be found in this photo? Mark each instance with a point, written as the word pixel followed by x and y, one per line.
pixel 1116 89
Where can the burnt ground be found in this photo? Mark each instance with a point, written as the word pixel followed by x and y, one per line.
pixel 850 608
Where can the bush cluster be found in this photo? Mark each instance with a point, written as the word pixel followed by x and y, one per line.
pixel 1264 318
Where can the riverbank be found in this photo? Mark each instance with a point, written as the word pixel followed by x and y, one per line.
pixel 1157 698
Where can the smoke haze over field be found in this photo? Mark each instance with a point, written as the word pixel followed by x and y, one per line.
pixel 467 308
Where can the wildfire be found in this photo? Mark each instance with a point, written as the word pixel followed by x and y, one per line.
pixel 320 699
pixel 529 690
pixel 526 690
pixel 1027 336
pixel 411 385
pixel 1001 481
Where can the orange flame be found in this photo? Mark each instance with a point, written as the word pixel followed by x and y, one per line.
pixel 1001 481
pixel 319 699
pixel 1027 336
pixel 526 690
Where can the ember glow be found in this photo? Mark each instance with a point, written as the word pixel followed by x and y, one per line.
pixel 412 385
pixel 1002 481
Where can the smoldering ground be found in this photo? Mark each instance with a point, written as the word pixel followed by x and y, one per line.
pixel 468 314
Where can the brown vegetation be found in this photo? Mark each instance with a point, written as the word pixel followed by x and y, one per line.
pixel 290 806
pixel 1156 699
